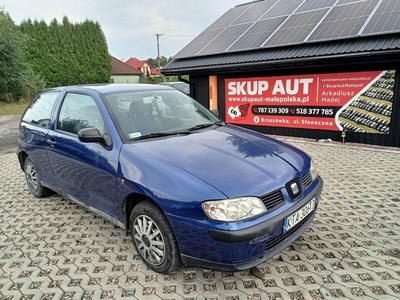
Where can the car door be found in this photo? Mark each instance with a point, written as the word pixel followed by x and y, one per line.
pixel 35 124
pixel 84 171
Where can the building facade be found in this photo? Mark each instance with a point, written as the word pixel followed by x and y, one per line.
pixel 344 88
pixel 123 73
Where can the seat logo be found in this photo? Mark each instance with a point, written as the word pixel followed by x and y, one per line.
pixel 295 188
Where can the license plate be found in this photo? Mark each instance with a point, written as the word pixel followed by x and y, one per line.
pixel 298 216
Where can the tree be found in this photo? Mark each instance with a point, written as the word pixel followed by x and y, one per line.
pixel 163 61
pixel 17 78
pixel 66 53
pixel 11 66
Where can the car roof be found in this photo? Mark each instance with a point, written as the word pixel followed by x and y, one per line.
pixel 171 82
pixel 112 87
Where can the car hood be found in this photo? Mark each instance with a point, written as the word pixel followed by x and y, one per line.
pixel 235 161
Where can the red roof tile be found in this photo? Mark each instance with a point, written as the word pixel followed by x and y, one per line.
pixel 135 63
pixel 121 68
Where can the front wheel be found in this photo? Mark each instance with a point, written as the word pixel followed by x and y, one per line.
pixel 153 238
pixel 33 180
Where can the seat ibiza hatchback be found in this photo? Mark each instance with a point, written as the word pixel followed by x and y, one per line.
pixel 188 187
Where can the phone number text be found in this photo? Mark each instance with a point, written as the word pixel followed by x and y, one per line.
pixel 294 111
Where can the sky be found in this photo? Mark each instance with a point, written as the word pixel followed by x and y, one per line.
pixel 130 26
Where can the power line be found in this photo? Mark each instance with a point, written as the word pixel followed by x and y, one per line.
pixel 175 35
pixel 130 43
pixel 152 47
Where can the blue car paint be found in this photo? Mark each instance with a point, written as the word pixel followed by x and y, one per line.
pixel 32 139
pixel 268 169
pixel 73 168
pixel 78 169
pixel 173 189
pixel 176 172
pixel 211 156
pixel 191 232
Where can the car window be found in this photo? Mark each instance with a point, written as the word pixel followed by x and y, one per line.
pixel 181 86
pixel 140 113
pixel 39 111
pixel 79 111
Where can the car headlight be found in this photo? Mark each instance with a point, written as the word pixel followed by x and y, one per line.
pixel 236 209
pixel 313 170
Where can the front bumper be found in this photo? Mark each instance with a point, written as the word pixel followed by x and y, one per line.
pixel 286 241
pixel 257 231
pixel 235 250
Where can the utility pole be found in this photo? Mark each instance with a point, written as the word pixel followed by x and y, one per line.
pixel 158 52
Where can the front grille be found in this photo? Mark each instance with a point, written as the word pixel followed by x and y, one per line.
pixel 306 179
pixel 273 199
pixel 278 239
pixel 294 192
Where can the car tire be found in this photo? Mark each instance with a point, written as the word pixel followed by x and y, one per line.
pixel 33 180
pixel 156 245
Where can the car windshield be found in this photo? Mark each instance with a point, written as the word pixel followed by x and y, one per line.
pixel 154 113
pixel 183 87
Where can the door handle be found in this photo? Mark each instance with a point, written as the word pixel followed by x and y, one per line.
pixel 51 142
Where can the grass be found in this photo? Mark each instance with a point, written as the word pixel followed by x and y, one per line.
pixel 13 108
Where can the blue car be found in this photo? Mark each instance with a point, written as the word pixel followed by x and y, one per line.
pixel 189 188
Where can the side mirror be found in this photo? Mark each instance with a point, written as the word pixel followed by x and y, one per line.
pixel 92 135
pixel 215 112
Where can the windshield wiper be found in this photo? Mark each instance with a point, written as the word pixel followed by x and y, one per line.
pixel 159 134
pixel 200 126
pixel 187 131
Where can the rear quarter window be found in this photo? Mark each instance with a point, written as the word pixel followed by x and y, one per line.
pixel 39 110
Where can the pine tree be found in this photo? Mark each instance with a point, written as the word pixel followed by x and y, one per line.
pixel 69 53
pixel 11 45
pixel 17 78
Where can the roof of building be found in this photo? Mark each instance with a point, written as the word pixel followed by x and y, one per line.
pixel 136 63
pixel 266 32
pixel 154 71
pixel 120 68
pixel 365 47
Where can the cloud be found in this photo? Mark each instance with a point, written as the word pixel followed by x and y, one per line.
pixel 130 26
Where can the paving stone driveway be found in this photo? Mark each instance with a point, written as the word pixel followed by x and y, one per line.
pixel 54 249
pixel 8 132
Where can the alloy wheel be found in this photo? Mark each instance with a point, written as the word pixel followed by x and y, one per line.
pixel 31 176
pixel 149 240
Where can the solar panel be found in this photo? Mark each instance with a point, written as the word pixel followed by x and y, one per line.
pixel 255 11
pixel 311 5
pixel 282 8
pixel 272 23
pixel 344 21
pixel 225 39
pixel 257 34
pixel 340 2
pixel 230 16
pixel 198 43
pixel 296 28
pixel 385 19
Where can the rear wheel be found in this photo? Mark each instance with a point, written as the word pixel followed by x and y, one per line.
pixel 153 238
pixel 33 180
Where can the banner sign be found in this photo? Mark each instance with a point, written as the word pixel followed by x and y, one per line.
pixel 357 101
